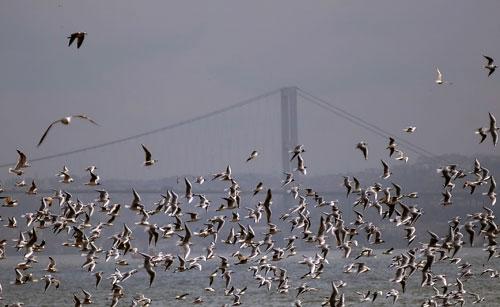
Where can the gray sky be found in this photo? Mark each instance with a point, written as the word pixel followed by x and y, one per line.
pixel 146 64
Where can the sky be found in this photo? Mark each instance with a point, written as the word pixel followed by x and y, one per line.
pixel 148 64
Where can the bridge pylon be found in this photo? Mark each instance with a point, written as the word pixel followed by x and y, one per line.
pixel 289 130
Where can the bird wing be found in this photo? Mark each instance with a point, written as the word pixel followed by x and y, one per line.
pixel 188 186
pixel 493 121
pixel 79 42
pixel 72 38
pixel 83 116
pixel 93 177
pixel 147 152
pixel 386 167
pixel 269 197
pixel 137 197
pixel 493 185
pixel 187 237
pixel 21 161
pixel 490 60
pixel 47 131
pixel 440 75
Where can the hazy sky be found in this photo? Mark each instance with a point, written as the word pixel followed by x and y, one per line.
pixel 146 64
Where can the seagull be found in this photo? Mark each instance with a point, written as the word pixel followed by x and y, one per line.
pixel 181 296
pixel 289 179
pixel 49 280
pixel 300 165
pixel 189 193
pixel 51 267
pixel 8 201
pixel 483 133
pixel 410 129
pixel 296 151
pixel 12 223
pixel 33 189
pixel 439 79
pixel 65 121
pixel 267 205
pixel 22 162
pixel 489 66
pixel 392 146
pixel 148 265
pixel 348 185
pixel 493 129
pixel 20 184
pixel 94 179
pixel 98 278
pixel 364 149
pixel 64 174
pixel 148 161
pixel 394 294
pixel 87 300
pixel 79 36
pixel 491 191
pixel 253 155
pixel 198 301
pixel 258 188
pixel 387 172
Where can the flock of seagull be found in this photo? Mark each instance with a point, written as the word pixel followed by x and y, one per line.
pixel 80 226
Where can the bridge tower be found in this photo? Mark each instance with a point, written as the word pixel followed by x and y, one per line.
pixel 289 134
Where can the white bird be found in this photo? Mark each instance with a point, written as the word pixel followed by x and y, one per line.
pixel 296 151
pixel 289 179
pixel 94 179
pixel 253 155
pixel 301 165
pixel 394 294
pixel 51 267
pixel 148 161
pixel 410 129
pixel 64 174
pixel 387 171
pixel 364 149
pixel 439 79
pixel 189 192
pixel 493 129
pixel 33 189
pixel 65 121
pixel 22 162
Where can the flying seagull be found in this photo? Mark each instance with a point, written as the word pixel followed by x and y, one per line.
pixel 253 155
pixel 490 66
pixel 483 133
pixel 410 129
pixel 65 121
pixel 439 79
pixel 148 161
pixel 387 172
pixel 364 149
pixel 22 162
pixel 493 129
pixel 79 36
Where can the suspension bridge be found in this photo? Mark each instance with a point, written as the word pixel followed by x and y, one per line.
pixel 268 122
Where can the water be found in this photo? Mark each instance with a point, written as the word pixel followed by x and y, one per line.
pixel 169 284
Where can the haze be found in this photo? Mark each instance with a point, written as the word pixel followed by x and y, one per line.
pixel 148 64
